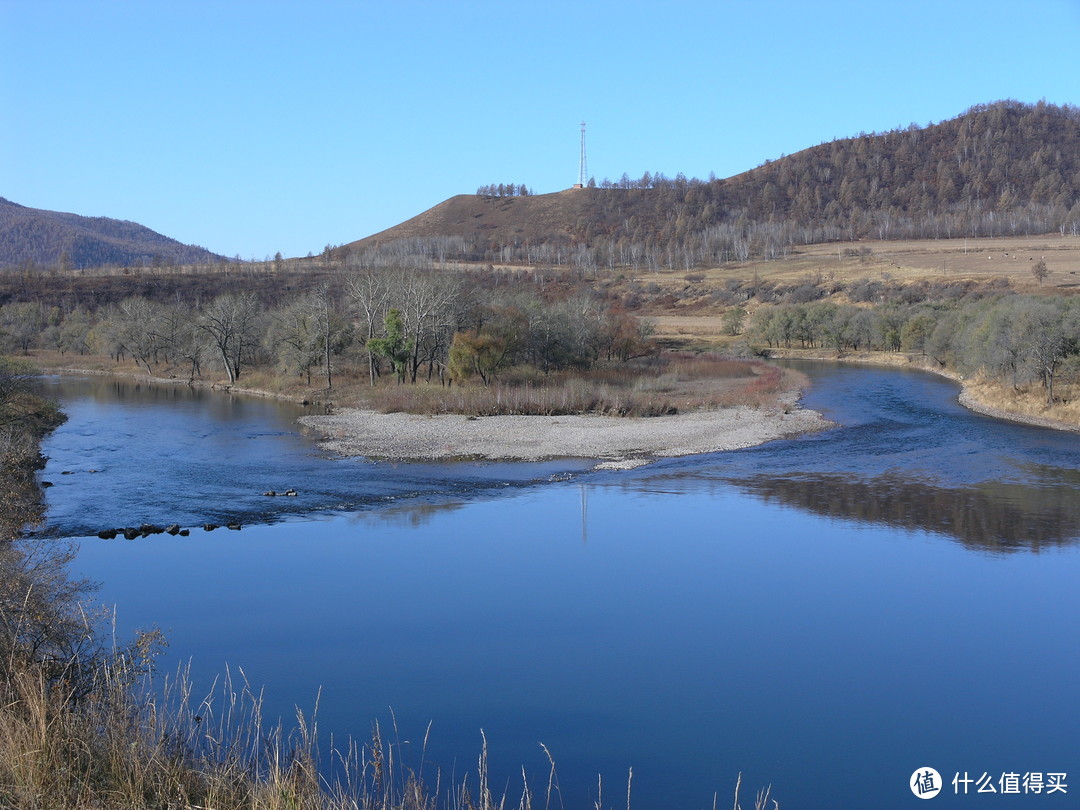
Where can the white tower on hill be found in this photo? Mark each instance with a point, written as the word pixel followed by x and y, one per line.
pixel 583 171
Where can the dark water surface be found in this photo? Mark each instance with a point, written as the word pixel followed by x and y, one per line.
pixel 824 614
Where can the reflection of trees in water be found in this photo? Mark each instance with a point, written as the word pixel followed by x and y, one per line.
pixel 107 391
pixel 410 515
pixel 993 516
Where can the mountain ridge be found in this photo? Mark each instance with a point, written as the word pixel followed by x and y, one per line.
pixel 40 237
pixel 1004 168
pixel 998 169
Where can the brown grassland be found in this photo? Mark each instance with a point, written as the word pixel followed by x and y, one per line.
pixel 980 260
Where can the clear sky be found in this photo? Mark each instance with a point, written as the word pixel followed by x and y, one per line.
pixel 251 127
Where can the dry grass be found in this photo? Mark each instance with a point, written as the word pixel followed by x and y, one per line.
pixel 668 384
pixel 127 745
pixel 96 729
pixel 907 260
pixel 1027 401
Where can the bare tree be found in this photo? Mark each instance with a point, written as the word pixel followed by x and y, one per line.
pixel 184 340
pixel 430 308
pixel 369 293
pixel 230 323
pixel 137 323
pixel 332 332
pixel 295 337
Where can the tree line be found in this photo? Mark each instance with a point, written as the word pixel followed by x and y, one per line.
pixel 414 324
pixel 1016 340
pixel 504 190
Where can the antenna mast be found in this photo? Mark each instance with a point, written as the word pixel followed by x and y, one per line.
pixel 583 171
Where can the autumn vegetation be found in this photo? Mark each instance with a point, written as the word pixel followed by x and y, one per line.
pixel 425 340
pixel 510 289
pixel 546 340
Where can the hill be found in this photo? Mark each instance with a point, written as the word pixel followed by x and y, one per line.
pixel 565 215
pixel 999 169
pixel 32 236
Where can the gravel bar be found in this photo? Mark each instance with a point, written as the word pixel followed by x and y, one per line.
pixel 618 441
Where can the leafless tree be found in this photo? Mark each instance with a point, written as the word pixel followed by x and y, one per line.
pixel 230 323
pixel 369 292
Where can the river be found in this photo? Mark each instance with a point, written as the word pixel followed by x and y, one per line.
pixel 825 614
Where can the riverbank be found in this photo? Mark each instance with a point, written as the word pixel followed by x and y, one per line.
pixel 977 395
pixel 139 376
pixel 620 442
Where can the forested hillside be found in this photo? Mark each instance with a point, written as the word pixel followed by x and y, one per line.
pixel 999 169
pixel 35 237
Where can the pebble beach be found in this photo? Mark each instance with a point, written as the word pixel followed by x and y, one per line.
pixel 614 441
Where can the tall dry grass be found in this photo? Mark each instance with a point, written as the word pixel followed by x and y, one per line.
pixel 105 732
pixel 658 386
pixel 126 744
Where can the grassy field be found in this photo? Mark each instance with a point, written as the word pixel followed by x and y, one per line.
pixel 913 260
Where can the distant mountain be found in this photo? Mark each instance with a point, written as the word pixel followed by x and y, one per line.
pixel 1001 168
pixel 32 236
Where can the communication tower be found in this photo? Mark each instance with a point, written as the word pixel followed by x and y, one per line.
pixel 583 171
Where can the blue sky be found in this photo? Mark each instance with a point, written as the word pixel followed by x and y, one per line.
pixel 253 127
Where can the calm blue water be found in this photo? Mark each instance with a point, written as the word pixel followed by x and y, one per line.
pixel 824 614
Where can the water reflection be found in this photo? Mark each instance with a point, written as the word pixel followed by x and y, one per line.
pixel 134 452
pixel 215 404
pixel 404 515
pixel 906 455
pixel 993 516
